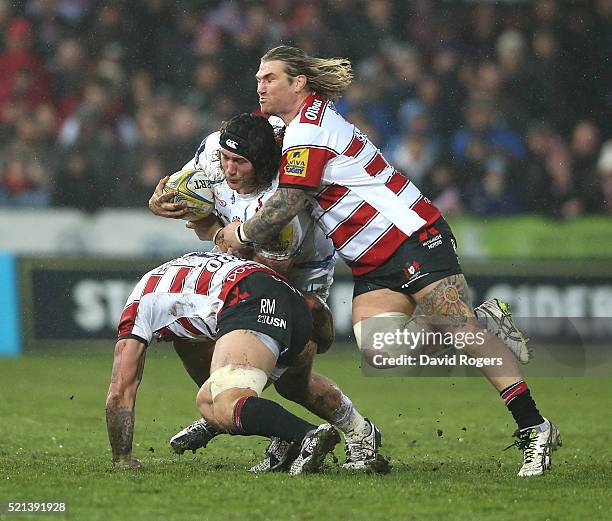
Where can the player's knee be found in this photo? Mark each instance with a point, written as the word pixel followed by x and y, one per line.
pixel 230 383
pixel 224 407
pixel 374 329
pixel 204 399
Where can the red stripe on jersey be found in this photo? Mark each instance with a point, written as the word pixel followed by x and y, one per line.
pixel 353 224
pixel 331 195
pixel 379 252
pixel 239 273
pixel 304 166
pixel 203 282
pixel 376 165
pixel 179 280
pixel 186 323
pixel 126 322
pixel 151 284
pixel 426 210
pixel 397 182
pixel 355 146
pixel 313 109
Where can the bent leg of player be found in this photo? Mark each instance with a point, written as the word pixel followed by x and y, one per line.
pixel 279 454
pixel 323 334
pixel 394 311
pixel 240 368
pixel 322 397
pixel 196 357
pixel 449 299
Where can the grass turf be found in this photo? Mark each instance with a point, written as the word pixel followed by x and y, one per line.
pixel 444 437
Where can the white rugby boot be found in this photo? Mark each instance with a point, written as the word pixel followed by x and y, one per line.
pixel 279 456
pixel 193 437
pixel 315 446
pixel 498 318
pixel 537 444
pixel 361 449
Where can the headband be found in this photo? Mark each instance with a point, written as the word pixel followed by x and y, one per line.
pixel 236 144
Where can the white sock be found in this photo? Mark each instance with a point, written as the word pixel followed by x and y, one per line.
pixel 347 418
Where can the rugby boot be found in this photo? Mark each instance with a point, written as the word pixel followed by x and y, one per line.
pixel 537 444
pixel 498 319
pixel 279 457
pixel 361 451
pixel 193 437
pixel 314 447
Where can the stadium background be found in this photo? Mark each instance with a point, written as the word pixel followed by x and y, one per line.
pixel 499 111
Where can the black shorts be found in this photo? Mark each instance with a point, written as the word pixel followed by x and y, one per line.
pixel 427 256
pixel 267 304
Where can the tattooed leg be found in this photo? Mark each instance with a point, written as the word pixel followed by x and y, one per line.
pixel 447 304
pixel 448 298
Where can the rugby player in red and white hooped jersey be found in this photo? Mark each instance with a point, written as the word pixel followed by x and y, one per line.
pixel 245 157
pixel 400 249
pixel 261 326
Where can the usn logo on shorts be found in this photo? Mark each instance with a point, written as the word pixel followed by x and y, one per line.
pixel 297 162
pixel 267 307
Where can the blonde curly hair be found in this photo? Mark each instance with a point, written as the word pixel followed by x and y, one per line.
pixel 328 77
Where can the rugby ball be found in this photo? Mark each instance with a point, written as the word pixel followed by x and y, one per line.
pixel 195 187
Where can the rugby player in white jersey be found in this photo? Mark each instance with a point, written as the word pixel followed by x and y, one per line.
pixel 260 325
pixel 400 249
pixel 244 157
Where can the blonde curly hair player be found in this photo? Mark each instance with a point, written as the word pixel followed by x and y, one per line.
pixel 328 77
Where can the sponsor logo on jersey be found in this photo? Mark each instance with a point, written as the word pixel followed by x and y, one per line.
pixel 312 112
pixel 297 162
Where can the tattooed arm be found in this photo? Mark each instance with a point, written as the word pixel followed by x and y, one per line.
pixel 267 223
pixel 127 373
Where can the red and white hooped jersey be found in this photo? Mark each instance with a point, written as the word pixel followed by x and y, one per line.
pixel 182 298
pixel 365 206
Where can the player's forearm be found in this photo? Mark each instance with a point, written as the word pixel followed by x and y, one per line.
pixel 205 228
pixel 278 211
pixel 128 367
pixel 120 426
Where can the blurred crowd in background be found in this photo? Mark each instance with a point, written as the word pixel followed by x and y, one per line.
pixel 491 108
